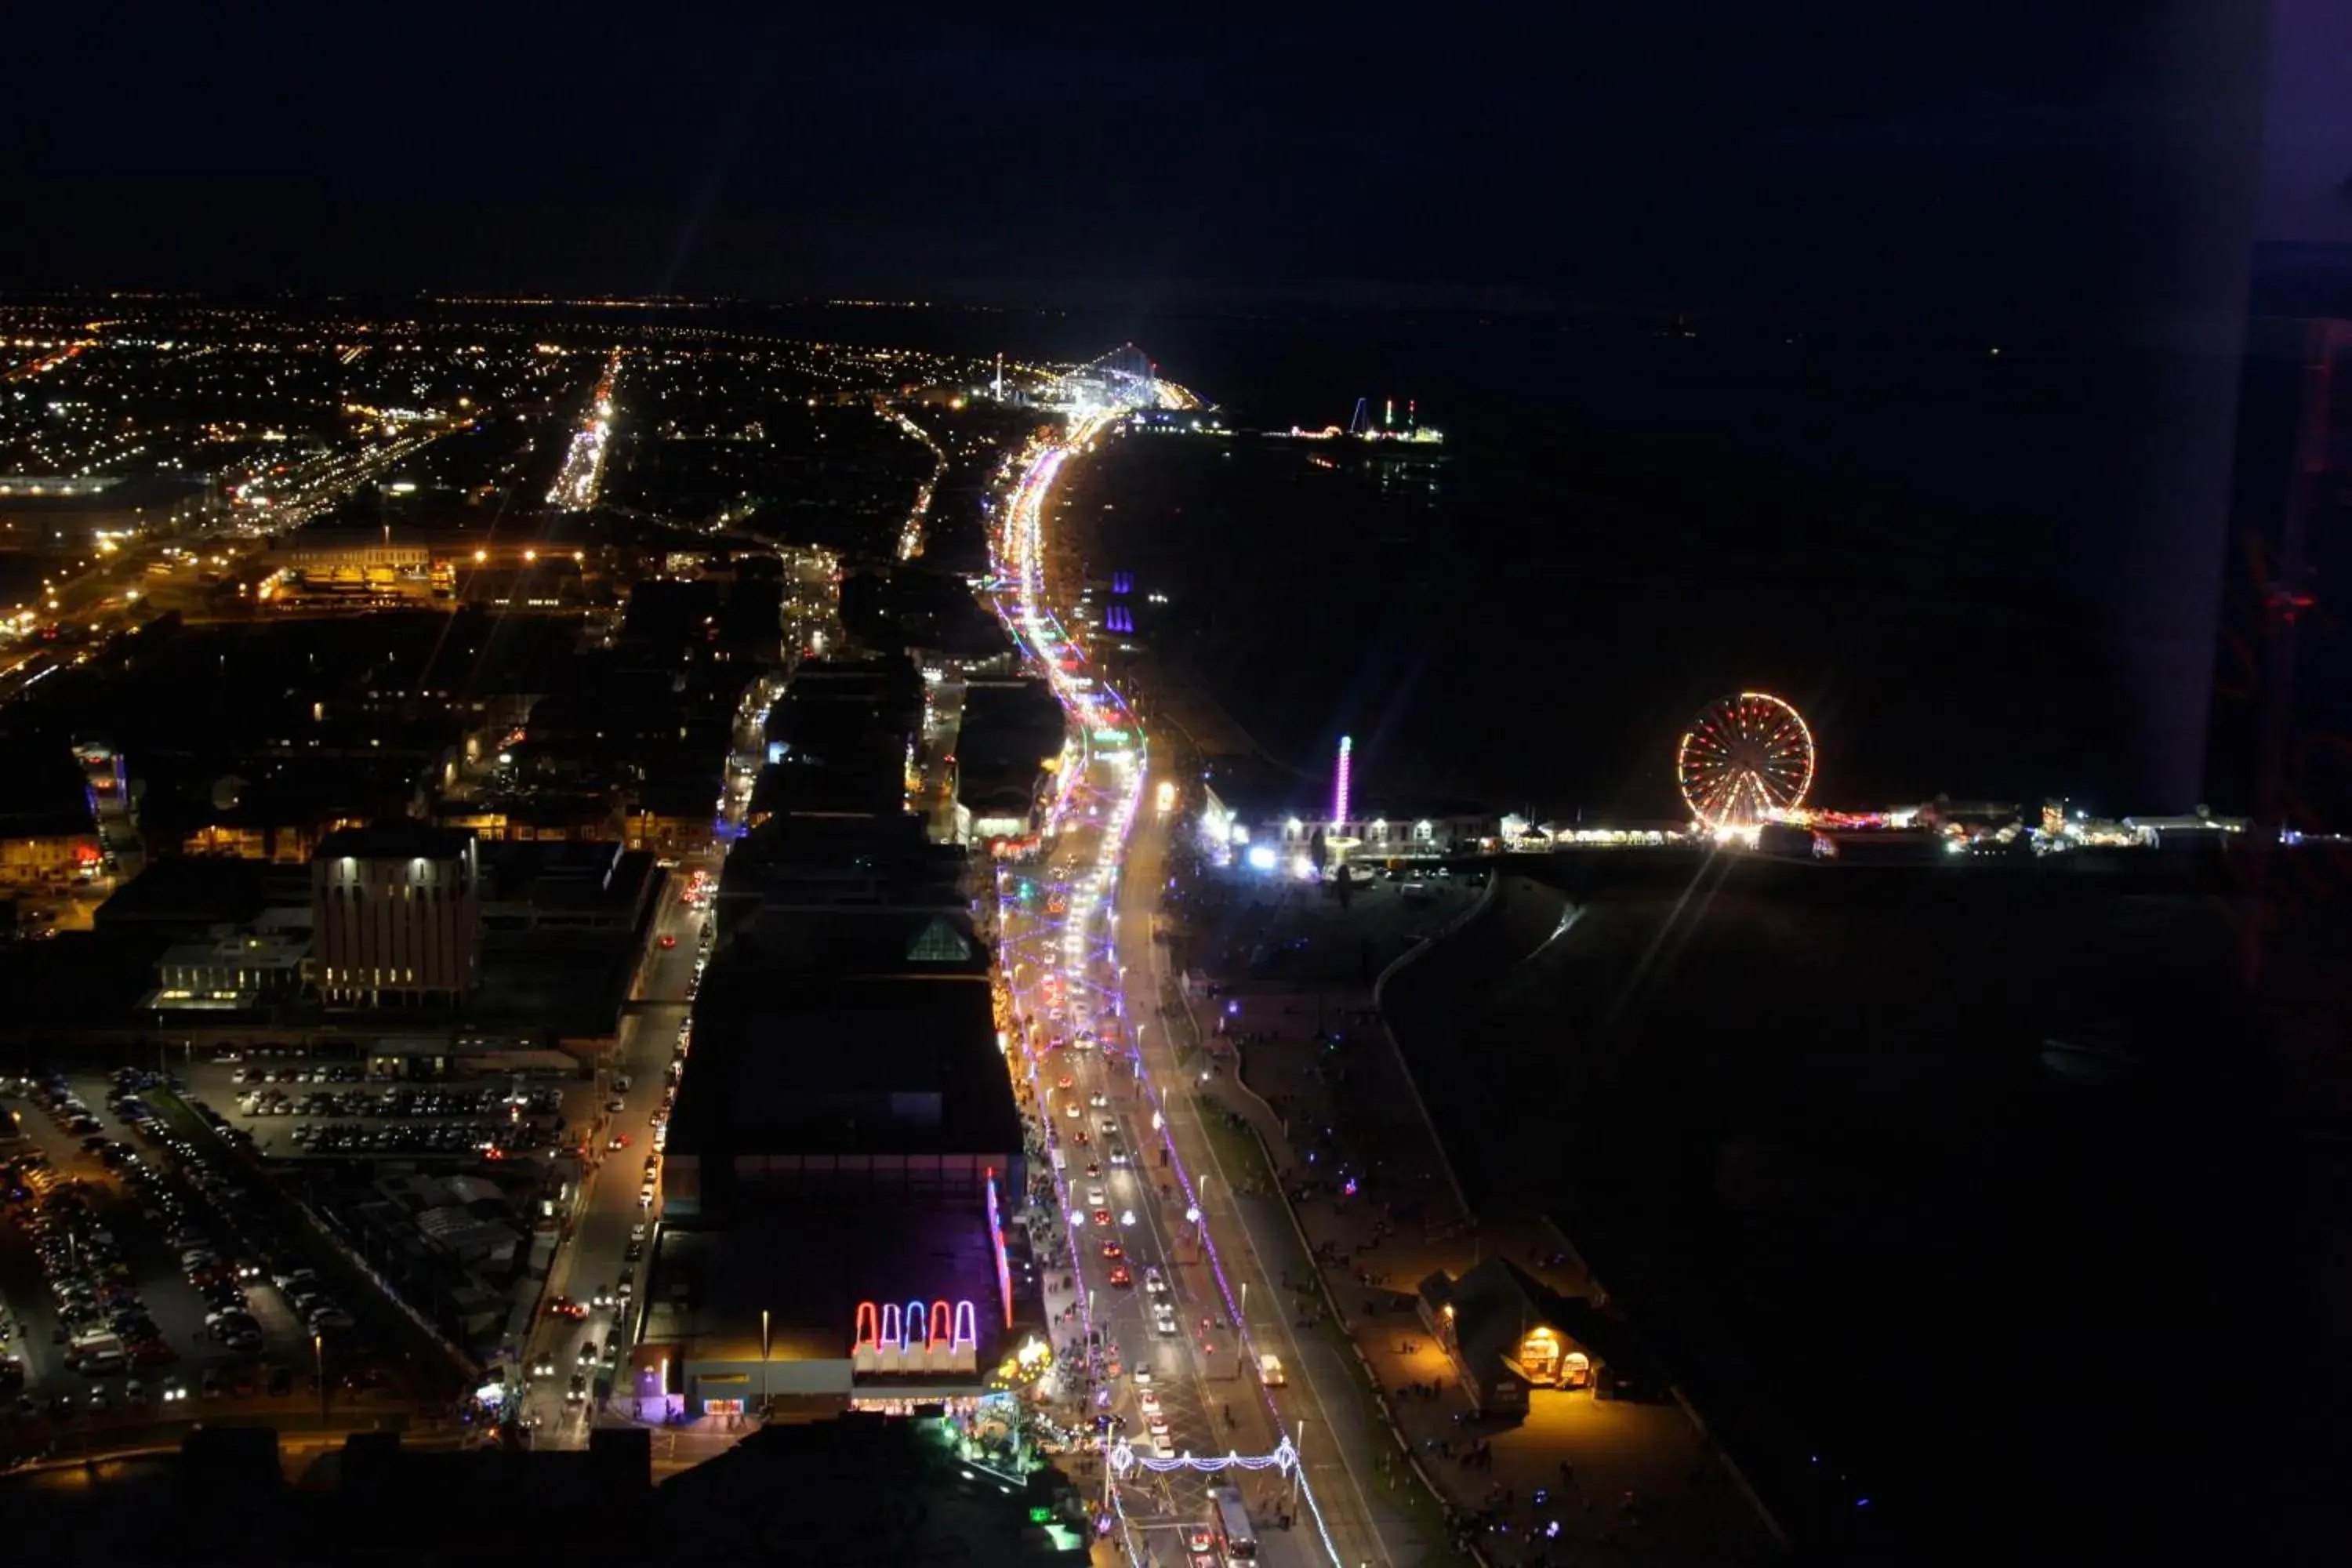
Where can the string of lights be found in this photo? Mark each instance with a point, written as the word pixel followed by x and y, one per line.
pixel 1033 628
pixel 1123 1458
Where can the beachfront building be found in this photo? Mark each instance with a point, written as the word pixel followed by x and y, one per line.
pixel 1512 1339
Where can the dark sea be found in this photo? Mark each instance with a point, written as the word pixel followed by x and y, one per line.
pixel 1931 548
pixel 1945 1203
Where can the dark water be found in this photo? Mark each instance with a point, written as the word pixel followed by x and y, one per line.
pixel 1810 1134
pixel 2031 1305
pixel 1920 543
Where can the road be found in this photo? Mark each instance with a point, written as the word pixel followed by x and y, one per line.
pixel 594 1259
pixel 582 475
pixel 615 1220
pixel 1075 927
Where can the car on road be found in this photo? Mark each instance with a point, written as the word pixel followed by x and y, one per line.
pixel 1269 1370
pixel 1112 1249
pixel 565 1307
pixel 587 1351
pixel 1099 1099
pixel 603 1296
pixel 617 1141
pixel 577 1391
pixel 1153 1280
pixel 1102 1217
pixel 1120 1277
pixel 1148 1402
pixel 543 1367
pixel 1097 1197
pixel 1066 1083
pixel 1161 1439
pixel 1072 1111
pixel 668 941
pixel 1118 1151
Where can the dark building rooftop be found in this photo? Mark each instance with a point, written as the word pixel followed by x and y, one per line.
pixel 858 1490
pixel 868 781
pixel 395 839
pixel 797 1062
pixel 562 876
pixel 193 893
pixel 42 791
pixel 79 981
pixel 1008 731
pixel 809 1264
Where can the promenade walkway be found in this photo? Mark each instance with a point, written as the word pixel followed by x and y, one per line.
pixel 1582 1479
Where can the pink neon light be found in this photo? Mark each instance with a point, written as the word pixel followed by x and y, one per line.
pixel 939 1325
pixel 1339 784
pixel 996 1240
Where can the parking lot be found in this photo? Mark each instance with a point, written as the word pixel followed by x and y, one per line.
pixel 302 1108
pixel 142 1285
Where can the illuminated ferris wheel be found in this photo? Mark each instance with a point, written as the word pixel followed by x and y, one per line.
pixel 1744 759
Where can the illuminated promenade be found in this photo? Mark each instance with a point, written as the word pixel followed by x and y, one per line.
pixel 1168 1265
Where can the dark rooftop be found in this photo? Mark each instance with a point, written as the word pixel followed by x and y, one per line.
pixel 792 1062
pixel 809 1264
pixel 837 1492
pixel 395 839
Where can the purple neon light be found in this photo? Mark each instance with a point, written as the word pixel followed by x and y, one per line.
pixel 1339 784
pixel 1121 826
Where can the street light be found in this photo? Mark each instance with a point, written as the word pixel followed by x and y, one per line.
pixel 318 1361
pixel 764 1395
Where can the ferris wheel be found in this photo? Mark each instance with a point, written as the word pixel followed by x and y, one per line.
pixel 1744 759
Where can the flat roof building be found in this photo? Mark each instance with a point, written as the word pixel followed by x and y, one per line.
pixel 396 915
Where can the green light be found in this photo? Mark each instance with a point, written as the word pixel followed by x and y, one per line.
pixel 1041 1516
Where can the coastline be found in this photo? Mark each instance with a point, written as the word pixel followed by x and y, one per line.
pixel 1654 1452
pixel 1368 1187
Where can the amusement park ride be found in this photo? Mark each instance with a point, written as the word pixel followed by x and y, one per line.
pixel 1744 760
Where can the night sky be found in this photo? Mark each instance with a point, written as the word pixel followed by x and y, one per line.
pixel 1990 157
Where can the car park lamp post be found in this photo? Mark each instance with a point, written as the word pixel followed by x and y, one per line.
pixel 318 1361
